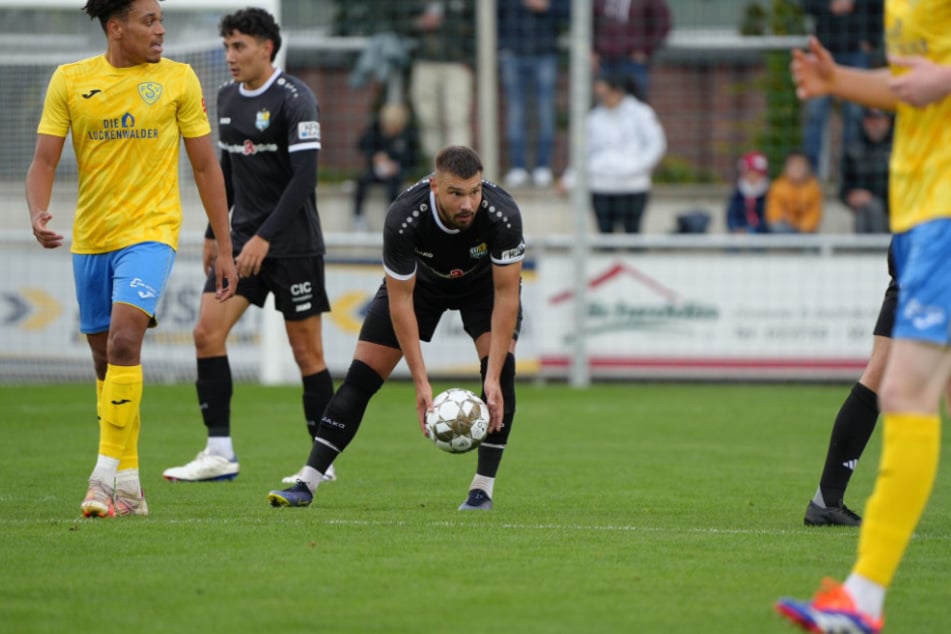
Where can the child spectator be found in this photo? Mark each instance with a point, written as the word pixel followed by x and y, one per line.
pixel 794 202
pixel 746 208
pixel 391 147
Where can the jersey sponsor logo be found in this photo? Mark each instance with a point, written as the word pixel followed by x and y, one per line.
pixel 517 252
pixel 479 251
pixel 249 148
pixel 91 93
pixel 262 120
pixel 150 91
pixel 121 128
pixel 308 131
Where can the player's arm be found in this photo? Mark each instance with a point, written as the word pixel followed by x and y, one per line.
pixel 210 249
pixel 923 83
pixel 301 185
pixel 815 74
pixel 400 292
pixel 211 189
pixel 39 188
pixel 506 280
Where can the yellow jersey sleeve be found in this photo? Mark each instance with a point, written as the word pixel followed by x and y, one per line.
pixel 192 113
pixel 55 118
pixel 920 170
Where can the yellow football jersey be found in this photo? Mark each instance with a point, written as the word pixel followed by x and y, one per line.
pixel 126 125
pixel 920 182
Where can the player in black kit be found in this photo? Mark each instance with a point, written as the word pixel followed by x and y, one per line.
pixel 855 422
pixel 269 138
pixel 453 241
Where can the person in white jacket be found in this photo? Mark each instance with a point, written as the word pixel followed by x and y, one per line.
pixel 625 144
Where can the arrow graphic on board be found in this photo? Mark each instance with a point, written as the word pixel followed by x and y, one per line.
pixel 31 309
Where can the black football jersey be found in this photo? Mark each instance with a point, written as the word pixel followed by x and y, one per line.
pixel 417 242
pixel 258 131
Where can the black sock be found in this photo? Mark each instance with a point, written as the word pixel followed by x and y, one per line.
pixel 318 389
pixel 850 433
pixel 491 449
pixel 214 388
pixel 343 415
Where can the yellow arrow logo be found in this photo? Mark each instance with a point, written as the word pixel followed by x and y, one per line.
pixel 345 312
pixel 45 309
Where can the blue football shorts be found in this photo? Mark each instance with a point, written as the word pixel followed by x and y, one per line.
pixel 136 275
pixel 924 277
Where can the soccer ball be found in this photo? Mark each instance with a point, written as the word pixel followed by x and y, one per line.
pixel 458 422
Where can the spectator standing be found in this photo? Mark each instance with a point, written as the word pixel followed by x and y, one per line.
pixel 746 208
pixel 528 63
pixel 627 33
pixel 794 202
pixel 442 82
pixel 391 147
pixel 850 30
pixel 625 143
pixel 865 173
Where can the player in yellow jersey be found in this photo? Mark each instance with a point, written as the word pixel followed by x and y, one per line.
pixel 918 86
pixel 127 111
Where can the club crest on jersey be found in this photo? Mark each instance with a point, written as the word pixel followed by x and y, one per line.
pixel 150 91
pixel 479 251
pixel 262 120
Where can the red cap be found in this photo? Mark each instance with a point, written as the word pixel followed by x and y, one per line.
pixel 754 162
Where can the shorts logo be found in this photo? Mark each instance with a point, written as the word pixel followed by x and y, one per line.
pixel 148 293
pixel 262 120
pixel 302 307
pixel 308 131
pixel 150 91
pixel 924 317
pixel 456 273
pixel 301 288
pixel 479 251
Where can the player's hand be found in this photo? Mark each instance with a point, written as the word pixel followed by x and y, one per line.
pixel 209 254
pixel 812 71
pixel 252 256
pixel 495 403
pixel 226 277
pixel 45 236
pixel 923 82
pixel 424 404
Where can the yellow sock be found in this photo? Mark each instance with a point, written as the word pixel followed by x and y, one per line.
pixel 905 477
pixel 99 384
pixel 130 456
pixel 121 396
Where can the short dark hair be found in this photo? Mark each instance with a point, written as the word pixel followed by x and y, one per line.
pixel 458 160
pixel 255 22
pixel 105 10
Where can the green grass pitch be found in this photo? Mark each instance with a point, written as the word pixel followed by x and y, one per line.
pixel 621 508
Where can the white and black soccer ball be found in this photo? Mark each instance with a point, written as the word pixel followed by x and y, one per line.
pixel 458 422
